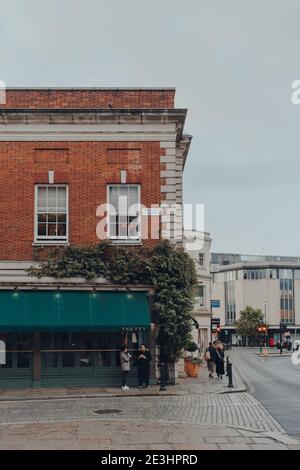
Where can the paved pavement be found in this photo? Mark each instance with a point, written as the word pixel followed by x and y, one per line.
pixel 238 410
pixel 198 416
pixel 275 382
pixel 135 435
pixel 188 386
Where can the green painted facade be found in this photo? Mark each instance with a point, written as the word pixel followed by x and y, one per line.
pixel 80 335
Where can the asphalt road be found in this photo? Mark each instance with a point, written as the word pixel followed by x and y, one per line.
pixel 275 382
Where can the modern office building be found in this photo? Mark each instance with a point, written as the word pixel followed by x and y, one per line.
pixel 270 283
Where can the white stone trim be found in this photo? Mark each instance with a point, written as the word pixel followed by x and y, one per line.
pixel 166 145
pixel 167 159
pixel 86 132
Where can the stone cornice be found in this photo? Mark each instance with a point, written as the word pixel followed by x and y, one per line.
pixel 46 118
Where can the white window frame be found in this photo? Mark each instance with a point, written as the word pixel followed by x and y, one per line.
pixel 125 239
pixel 202 256
pixel 45 239
pixel 198 297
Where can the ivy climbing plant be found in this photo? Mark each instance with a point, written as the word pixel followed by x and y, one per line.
pixel 167 268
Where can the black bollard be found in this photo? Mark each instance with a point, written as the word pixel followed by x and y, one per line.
pixel 227 362
pixel 162 377
pixel 229 368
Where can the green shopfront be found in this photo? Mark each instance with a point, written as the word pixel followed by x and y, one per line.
pixel 70 338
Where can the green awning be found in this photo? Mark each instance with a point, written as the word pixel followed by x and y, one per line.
pixel 73 311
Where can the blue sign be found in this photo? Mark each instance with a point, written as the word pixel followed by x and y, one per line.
pixel 215 303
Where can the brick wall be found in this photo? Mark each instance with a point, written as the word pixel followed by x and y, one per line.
pixel 88 98
pixel 87 167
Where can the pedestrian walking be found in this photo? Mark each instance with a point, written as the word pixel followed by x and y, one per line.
pixel 220 358
pixel 125 366
pixel 144 359
pixel 209 357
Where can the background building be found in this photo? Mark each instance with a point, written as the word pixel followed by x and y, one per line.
pixel 200 252
pixel 271 283
pixel 64 153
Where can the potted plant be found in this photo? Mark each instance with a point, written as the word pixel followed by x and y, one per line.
pixel 191 347
pixel 193 366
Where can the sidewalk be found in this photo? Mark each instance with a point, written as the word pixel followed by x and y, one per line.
pixel 144 435
pixel 187 386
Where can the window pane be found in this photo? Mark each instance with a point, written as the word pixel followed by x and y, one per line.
pixel 42 218
pixel 133 227
pixel 42 198
pixel 123 226
pixel 42 230
pixel 52 232
pixel 123 205
pixel 61 230
pixel 52 218
pixel 123 191
pixel 113 230
pixel 61 199
pixel 113 196
pixel 133 195
pixel 50 359
pixel 85 359
pixel 51 200
pixel 23 360
pixel 68 359
pixel 62 218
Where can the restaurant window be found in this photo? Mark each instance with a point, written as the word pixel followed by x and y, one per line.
pixel 51 214
pixel 124 212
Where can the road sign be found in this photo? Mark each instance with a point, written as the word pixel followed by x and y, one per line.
pixel 215 303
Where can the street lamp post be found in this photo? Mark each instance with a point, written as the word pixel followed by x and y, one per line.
pixel 265 307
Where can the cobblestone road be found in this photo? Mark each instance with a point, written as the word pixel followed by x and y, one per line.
pixel 239 410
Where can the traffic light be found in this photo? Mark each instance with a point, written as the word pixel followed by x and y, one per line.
pixel 262 329
pixel 218 329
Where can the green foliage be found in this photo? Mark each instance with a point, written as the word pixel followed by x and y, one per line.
pixel 248 322
pixel 191 346
pixel 168 269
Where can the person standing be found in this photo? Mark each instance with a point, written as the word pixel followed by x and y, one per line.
pixel 219 355
pixel 210 360
pixel 144 359
pixel 125 366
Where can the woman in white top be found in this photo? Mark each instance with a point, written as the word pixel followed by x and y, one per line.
pixel 125 366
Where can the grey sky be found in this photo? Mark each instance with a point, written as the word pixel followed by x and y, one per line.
pixel 232 62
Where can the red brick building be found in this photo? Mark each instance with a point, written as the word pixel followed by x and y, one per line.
pixel 63 154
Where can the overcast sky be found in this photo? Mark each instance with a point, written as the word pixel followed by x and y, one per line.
pixel 232 63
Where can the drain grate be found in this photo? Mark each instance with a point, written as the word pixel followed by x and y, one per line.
pixel 107 412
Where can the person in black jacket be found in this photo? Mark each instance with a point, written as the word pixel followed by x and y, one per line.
pixel 144 359
pixel 219 357
pixel 210 358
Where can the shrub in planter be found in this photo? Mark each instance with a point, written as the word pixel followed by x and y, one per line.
pixel 191 346
pixel 193 367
